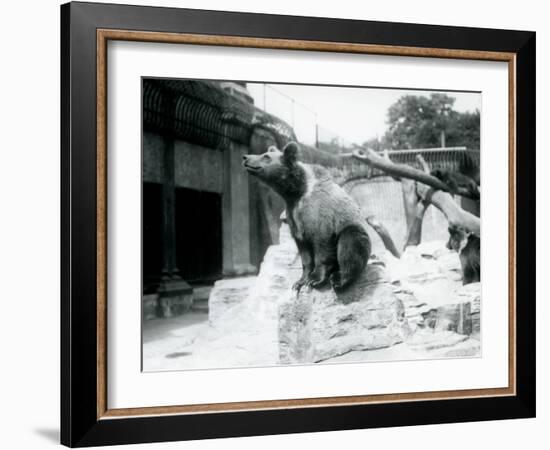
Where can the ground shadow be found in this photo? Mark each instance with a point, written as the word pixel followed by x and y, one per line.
pixel 178 355
pixel 50 434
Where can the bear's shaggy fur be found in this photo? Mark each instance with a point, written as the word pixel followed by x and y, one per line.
pixel 467 246
pixel 324 220
pixel 457 180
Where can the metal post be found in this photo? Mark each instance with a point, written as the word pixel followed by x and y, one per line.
pixel 316 132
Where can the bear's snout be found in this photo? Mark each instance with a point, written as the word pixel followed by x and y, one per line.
pixel 250 163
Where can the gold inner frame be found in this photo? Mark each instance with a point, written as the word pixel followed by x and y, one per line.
pixel 103 36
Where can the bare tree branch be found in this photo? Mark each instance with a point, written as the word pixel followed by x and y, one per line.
pixel 418 208
pixel 404 171
pixel 410 200
pixel 414 233
pixel 384 235
pixel 456 216
pixel 430 190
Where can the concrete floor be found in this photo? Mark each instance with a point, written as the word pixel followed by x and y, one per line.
pixel 157 329
pixel 172 338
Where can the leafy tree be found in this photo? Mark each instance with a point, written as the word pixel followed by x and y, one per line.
pixel 464 130
pixel 422 122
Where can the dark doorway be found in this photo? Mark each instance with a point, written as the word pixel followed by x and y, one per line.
pixel 152 235
pixel 199 235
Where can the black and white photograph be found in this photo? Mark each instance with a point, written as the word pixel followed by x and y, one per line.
pixel 287 224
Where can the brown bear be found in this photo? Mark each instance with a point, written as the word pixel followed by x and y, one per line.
pixel 467 246
pixel 455 180
pixel 326 223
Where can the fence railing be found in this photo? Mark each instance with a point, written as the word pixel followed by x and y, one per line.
pixel 445 158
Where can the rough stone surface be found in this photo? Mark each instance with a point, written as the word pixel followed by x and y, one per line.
pixel 319 325
pixel 471 293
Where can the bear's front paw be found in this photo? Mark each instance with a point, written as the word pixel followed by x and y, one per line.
pixel 316 282
pixel 300 284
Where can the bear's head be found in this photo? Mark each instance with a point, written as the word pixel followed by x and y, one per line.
pixel 458 238
pixel 280 170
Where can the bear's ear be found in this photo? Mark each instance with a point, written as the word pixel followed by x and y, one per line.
pixel 290 153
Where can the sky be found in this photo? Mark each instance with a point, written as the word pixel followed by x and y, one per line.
pixel 353 114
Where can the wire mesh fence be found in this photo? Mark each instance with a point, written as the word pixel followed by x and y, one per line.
pixel 304 120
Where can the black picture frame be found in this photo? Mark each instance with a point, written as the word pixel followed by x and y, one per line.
pixel 80 425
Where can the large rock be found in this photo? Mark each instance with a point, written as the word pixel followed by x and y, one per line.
pixel 318 325
pixel 430 271
pixel 416 304
pixel 428 279
pixel 441 330
pixel 450 330
pixel 240 332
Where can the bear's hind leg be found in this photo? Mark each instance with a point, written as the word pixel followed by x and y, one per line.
pixel 353 252
pixel 325 263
